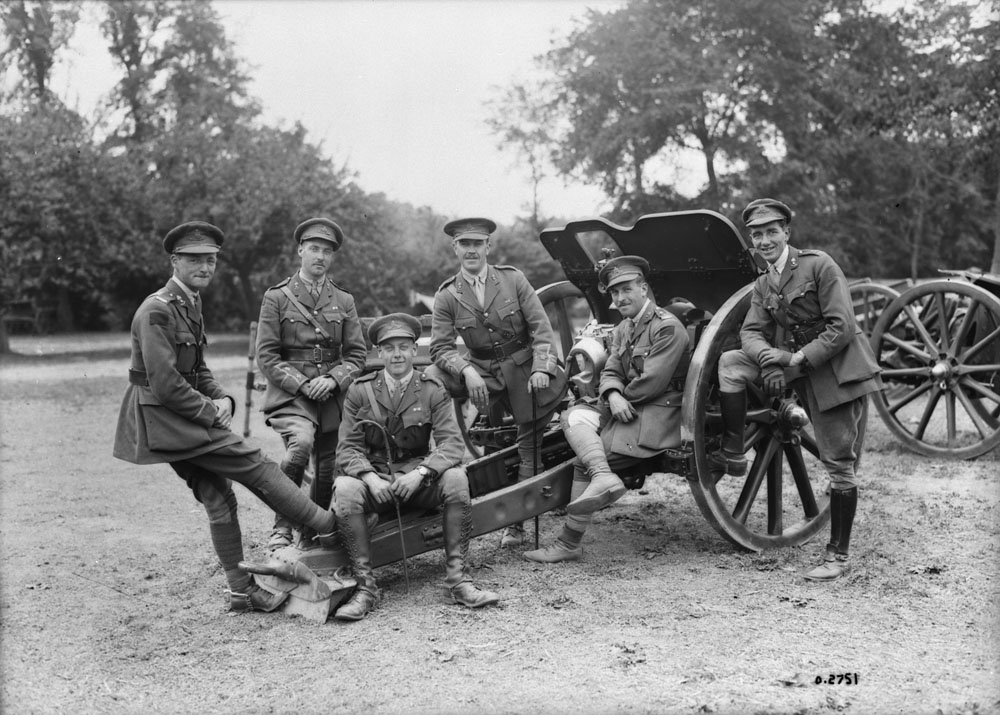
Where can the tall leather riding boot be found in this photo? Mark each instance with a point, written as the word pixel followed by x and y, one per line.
pixel 733 406
pixel 354 533
pixel 459 587
pixel 605 487
pixel 281 534
pixel 843 505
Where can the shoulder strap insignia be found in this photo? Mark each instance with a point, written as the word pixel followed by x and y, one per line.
pixel 280 285
pixel 501 267
pixel 339 287
pixel 165 296
pixel 367 376
pixel 430 378
pixel 447 282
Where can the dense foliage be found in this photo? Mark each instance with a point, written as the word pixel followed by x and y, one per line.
pixel 84 204
pixel 881 131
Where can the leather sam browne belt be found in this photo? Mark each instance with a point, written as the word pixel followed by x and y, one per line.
pixel 138 377
pixel 498 351
pixel 802 335
pixel 315 355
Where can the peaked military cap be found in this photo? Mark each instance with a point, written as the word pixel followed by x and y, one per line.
pixel 623 268
pixel 194 237
pixel 320 228
pixel 393 325
pixel 761 211
pixel 470 227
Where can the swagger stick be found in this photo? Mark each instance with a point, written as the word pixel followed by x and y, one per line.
pixel 395 501
pixel 534 448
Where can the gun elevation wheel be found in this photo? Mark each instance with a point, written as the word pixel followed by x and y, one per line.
pixel 782 501
pixel 939 348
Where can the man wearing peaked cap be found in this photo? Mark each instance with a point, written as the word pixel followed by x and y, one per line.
pixel 411 408
pixel 175 411
pixel 800 332
pixel 623 268
pixel 310 346
pixel 637 412
pixel 320 228
pixel 193 237
pixel 761 211
pixel 394 325
pixel 512 360
pixel 470 227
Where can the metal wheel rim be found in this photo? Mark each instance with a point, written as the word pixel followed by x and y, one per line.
pixel 957 374
pixel 777 464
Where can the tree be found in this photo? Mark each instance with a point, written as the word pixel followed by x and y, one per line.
pixel 36 32
pixel 526 126
pixel 178 66
pixel 879 130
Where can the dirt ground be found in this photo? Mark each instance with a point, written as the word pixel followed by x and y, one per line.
pixel 111 597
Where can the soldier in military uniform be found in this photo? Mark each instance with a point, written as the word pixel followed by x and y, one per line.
pixel 637 414
pixel 174 411
pixel 512 358
pixel 801 331
pixel 412 408
pixel 309 347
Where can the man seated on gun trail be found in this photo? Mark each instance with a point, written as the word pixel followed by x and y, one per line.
pixel 407 407
pixel 638 413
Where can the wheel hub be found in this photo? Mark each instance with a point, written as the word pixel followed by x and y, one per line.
pixel 942 373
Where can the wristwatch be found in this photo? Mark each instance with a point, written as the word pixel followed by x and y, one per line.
pixel 425 472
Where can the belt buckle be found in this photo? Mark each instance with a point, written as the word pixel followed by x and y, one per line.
pixel 498 352
pixel 317 354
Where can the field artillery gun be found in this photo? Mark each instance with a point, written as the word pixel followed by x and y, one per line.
pixel 702 270
pixel 938 344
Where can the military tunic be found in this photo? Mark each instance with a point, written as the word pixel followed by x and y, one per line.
pixel 813 300
pixel 287 345
pixel 508 336
pixel 425 410
pixel 168 413
pixel 647 364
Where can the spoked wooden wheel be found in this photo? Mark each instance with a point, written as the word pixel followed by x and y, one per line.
pixel 941 341
pixel 782 501
pixel 568 311
pixel 870 300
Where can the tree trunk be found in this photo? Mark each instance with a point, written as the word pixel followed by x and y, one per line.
pixel 251 303
pixel 65 316
pixel 714 199
pixel 4 340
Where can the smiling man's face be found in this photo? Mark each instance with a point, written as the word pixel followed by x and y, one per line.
pixel 770 239
pixel 472 253
pixel 195 270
